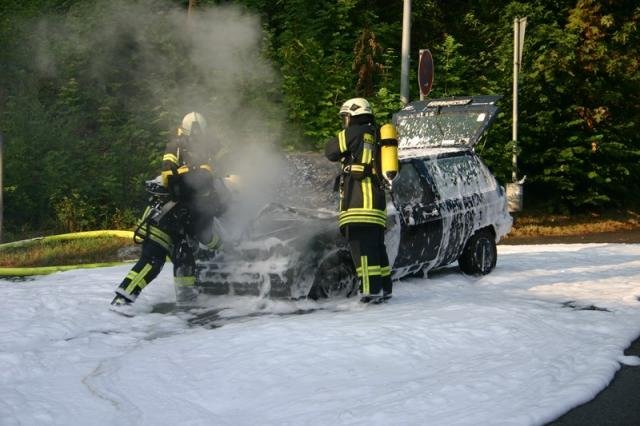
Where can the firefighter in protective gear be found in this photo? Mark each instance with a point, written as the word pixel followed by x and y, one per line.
pixel 181 219
pixel 362 218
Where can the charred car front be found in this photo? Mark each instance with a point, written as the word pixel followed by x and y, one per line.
pixel 445 206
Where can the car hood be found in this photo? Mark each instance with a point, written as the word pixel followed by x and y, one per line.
pixel 293 225
pixel 440 123
pixel 276 254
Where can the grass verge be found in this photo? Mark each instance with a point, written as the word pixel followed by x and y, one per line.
pixel 537 225
pixel 68 252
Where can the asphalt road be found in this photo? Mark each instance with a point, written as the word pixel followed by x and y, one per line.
pixel 619 403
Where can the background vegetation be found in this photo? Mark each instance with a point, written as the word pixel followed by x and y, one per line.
pixel 94 250
pixel 84 121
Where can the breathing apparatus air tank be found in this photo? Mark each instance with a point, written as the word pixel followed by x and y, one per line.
pixel 389 152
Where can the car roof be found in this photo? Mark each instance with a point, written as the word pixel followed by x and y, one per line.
pixel 445 123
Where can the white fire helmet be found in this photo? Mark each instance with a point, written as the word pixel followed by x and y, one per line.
pixel 356 106
pixel 194 123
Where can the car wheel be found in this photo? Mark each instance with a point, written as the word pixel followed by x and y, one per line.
pixel 480 254
pixel 335 277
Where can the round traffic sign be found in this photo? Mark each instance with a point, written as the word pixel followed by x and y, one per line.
pixel 425 72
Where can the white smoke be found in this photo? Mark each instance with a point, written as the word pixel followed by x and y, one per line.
pixel 210 61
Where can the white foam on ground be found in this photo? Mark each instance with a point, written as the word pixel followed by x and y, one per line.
pixel 543 333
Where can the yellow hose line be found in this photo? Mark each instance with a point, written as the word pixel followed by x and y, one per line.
pixel 44 270
pixel 69 236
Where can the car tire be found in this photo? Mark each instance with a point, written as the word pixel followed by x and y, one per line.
pixel 335 277
pixel 480 254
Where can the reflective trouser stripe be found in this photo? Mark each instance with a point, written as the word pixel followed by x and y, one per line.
pixel 342 141
pixel 367 193
pixel 215 243
pixel 364 269
pixel 138 279
pixel 385 271
pixel 373 270
pixel 184 281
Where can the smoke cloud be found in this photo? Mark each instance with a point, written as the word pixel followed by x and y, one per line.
pixel 169 64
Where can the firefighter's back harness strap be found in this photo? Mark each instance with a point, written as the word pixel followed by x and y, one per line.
pixel 364 168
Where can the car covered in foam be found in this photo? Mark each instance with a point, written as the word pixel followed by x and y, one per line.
pixel 445 205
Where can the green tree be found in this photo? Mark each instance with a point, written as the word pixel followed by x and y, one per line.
pixel 90 89
pixel 585 103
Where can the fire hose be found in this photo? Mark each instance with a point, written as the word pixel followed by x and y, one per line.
pixel 44 270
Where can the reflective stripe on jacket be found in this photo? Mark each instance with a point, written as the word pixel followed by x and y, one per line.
pixel 362 200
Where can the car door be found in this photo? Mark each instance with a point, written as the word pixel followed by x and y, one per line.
pixel 465 196
pixel 415 199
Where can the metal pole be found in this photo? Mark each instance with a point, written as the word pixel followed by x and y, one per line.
pixel 192 4
pixel 406 39
pixel 419 59
pixel 516 56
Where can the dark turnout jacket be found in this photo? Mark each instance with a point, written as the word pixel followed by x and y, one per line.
pixel 362 199
pixel 188 175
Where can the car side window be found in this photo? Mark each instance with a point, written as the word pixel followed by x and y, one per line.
pixel 487 180
pixel 408 187
pixel 455 177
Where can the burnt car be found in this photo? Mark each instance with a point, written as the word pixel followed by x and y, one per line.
pixel 445 206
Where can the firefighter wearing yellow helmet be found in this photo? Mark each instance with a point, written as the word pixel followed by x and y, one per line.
pixel 362 218
pixel 183 206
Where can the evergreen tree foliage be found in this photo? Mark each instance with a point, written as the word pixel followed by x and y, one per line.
pixel 100 94
pixel 90 90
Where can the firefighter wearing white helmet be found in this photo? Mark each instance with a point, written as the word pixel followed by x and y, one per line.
pixel 186 211
pixel 363 217
pixel 194 123
pixel 355 106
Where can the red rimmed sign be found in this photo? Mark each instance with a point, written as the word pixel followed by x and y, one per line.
pixel 425 72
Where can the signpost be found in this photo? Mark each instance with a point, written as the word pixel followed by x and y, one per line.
pixel 406 38
pixel 192 5
pixel 514 189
